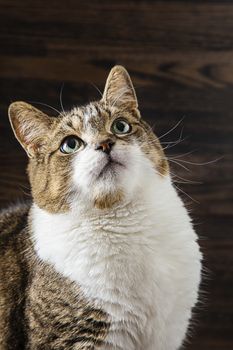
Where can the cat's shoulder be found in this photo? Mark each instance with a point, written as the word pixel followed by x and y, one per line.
pixel 14 240
pixel 14 243
pixel 13 221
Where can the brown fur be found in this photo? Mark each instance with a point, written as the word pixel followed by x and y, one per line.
pixel 109 200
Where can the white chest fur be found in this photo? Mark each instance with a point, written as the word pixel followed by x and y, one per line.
pixel 139 262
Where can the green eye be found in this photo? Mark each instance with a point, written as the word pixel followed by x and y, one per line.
pixel 70 145
pixel 120 126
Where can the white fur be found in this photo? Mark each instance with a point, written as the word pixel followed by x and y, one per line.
pixel 139 261
pixel 89 163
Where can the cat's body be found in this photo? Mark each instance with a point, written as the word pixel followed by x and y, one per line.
pixel 122 274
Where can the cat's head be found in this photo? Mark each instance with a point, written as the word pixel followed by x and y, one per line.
pixel 101 154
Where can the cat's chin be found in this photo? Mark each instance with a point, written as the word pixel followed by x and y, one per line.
pixel 108 188
pixel 110 172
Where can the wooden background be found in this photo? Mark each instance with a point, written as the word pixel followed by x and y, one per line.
pixel 180 57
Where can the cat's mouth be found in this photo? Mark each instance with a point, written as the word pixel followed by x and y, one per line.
pixel 110 168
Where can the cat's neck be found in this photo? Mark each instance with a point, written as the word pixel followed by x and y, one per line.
pixel 83 217
pixel 76 241
pixel 81 225
pixel 150 204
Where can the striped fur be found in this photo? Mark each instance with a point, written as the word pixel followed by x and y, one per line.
pixel 40 309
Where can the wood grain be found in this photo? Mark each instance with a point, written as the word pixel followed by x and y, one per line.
pixel 180 57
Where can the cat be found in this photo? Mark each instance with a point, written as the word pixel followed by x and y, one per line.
pixel 105 257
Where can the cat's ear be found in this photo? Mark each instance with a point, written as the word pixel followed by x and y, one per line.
pixel 31 126
pixel 119 90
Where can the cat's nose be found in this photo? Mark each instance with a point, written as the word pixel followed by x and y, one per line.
pixel 105 146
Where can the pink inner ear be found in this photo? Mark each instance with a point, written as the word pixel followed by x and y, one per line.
pixel 24 137
pixel 26 141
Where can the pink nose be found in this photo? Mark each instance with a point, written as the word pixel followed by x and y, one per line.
pixel 105 146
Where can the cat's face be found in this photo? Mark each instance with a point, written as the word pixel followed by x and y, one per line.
pixel 100 154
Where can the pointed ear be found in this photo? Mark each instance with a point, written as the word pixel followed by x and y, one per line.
pixel 31 126
pixel 119 90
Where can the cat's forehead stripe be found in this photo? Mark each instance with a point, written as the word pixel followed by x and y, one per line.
pixel 89 114
pixel 88 117
pixel 74 119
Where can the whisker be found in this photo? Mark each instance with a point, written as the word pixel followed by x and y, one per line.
pixel 23 188
pixel 194 200
pixel 45 104
pixel 152 127
pixel 173 128
pixel 205 163
pixel 182 155
pixel 26 187
pixel 168 142
pixel 181 165
pixel 96 87
pixel 175 143
pixel 185 181
pixel 60 97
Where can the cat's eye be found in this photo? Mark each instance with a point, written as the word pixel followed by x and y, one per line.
pixel 70 144
pixel 120 126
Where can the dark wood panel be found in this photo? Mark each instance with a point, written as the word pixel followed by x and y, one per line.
pixel 143 23
pixel 180 56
